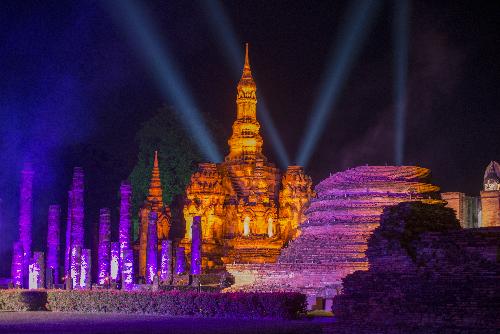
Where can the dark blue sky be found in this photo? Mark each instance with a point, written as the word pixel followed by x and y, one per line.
pixel 73 87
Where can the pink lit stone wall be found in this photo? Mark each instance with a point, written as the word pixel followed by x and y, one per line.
pixel 53 243
pixel 114 266
pixel 77 214
pixel 166 260
pixel 85 274
pixel 104 247
pixel 67 253
pixel 128 270
pixel 180 260
pixel 17 264
pixel 26 216
pixel 76 266
pixel 196 246
pixel 125 226
pixel 152 248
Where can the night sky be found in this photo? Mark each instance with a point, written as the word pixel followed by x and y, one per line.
pixel 74 91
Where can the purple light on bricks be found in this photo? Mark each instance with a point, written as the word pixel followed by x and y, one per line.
pixel 152 248
pixel 25 213
pixel 76 261
pixel 196 246
pixel 17 264
pixel 115 261
pixel 125 223
pixel 53 244
pixel 67 253
pixel 77 208
pixel 180 260
pixel 104 250
pixel 166 260
pixel 85 273
pixel 128 270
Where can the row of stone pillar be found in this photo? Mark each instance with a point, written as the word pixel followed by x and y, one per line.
pixel 77 260
pixel 115 259
pixel 166 264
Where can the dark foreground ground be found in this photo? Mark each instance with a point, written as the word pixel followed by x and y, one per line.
pixel 52 322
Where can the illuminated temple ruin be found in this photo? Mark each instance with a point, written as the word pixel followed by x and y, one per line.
pixel 333 240
pixel 248 208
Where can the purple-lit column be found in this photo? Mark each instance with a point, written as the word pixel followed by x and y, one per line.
pixel 67 253
pixel 196 246
pixel 53 245
pixel 103 255
pixel 152 248
pixel 25 214
pixel 115 261
pixel 76 265
pixel 77 210
pixel 180 260
pixel 128 269
pixel 85 270
pixel 17 264
pixel 125 222
pixel 166 260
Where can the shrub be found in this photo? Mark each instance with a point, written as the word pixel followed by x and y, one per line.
pixel 22 300
pixel 175 303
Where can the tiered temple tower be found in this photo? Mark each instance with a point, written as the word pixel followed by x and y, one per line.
pixel 153 203
pixel 490 196
pixel 247 214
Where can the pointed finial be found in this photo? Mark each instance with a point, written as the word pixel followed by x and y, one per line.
pixel 247 61
pixel 155 192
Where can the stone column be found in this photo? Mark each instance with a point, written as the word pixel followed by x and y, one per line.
pixel 77 213
pixel 67 253
pixel 128 270
pixel 125 227
pixel 33 275
pixel 37 271
pixel 196 246
pixel 103 256
pixel 17 264
pixel 76 262
pixel 26 216
pixel 53 243
pixel 166 261
pixel 180 260
pixel 86 272
pixel 115 261
pixel 152 248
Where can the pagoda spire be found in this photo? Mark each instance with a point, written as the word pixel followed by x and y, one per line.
pixel 246 67
pixel 246 76
pixel 245 142
pixel 155 192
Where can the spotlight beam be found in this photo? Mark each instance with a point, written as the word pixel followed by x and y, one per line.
pixel 400 35
pixel 138 25
pixel 353 32
pixel 227 39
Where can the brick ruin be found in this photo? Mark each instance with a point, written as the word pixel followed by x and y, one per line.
pixel 482 211
pixel 426 274
pixel 333 240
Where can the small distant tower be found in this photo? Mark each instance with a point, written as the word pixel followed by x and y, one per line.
pixel 490 196
pixel 153 203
